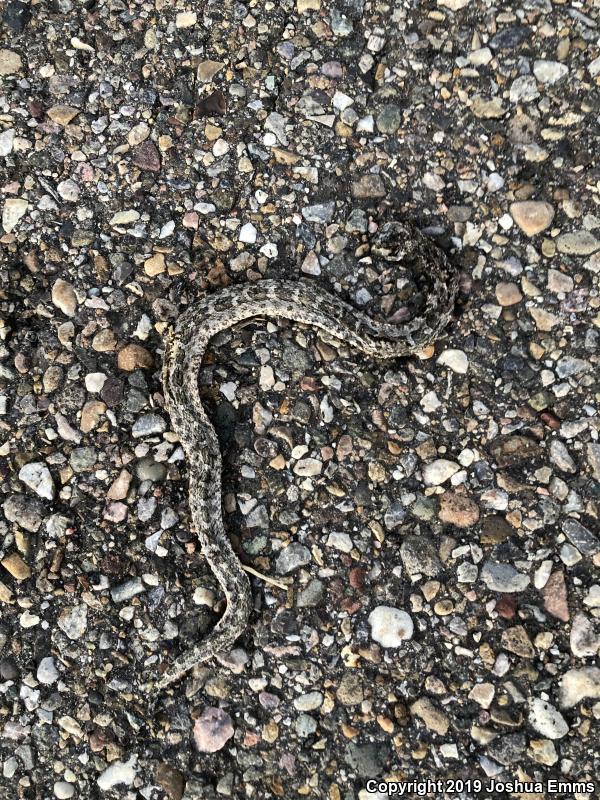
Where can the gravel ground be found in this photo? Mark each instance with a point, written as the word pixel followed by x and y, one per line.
pixel 436 518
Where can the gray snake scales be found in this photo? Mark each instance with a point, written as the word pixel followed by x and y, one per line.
pixel 304 302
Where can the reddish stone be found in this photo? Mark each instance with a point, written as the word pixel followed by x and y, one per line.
pixel 555 596
pixel 507 606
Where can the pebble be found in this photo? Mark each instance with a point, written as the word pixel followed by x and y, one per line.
pixel 582 538
pixel 579 684
pixel 435 720
pixel 64 790
pixel 37 477
pixel 320 212
pixel 581 243
pixel 549 72
pixel 419 556
pixel 14 209
pixel 439 471
pixel 148 425
pixel 15 565
pixel 503 577
pixel 10 62
pixel 212 730
pixel 292 558
pixel 555 596
pixel 584 639
pixel 62 114
pixel 127 591
pixel 25 511
pixel 546 720
pixel 185 19
pixel 389 119
pixel 118 773
pixel 134 356
pixel 47 672
pixel 125 217
pixel 532 216
pixel 73 621
pixel 458 509
pixel 456 360
pixel 508 294
pixel 390 627
pixel 64 297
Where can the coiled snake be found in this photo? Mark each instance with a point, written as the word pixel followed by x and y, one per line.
pixel 304 302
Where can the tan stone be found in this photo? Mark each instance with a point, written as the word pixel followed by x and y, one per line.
pixel 104 341
pixel 14 209
pixel 10 62
pixel 64 297
pixel 14 564
pixel 458 509
pixel 90 415
pixel 308 5
pixel 517 641
pixel 508 294
pixel 134 356
pixel 433 718
pixel 62 114
pixel 154 265
pixel 544 320
pixel 120 486
pixel 208 69
pixel 138 134
pixel 532 216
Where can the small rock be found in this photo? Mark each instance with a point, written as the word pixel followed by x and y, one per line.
pixel 148 425
pixel 25 511
pixel 127 591
pixel 37 477
pixel 389 119
pixel 63 790
pixel 508 294
pixel 513 450
pixel 10 62
pixel 483 694
pixel 117 773
pixel 517 641
pixel 185 19
pixel 439 471
pixel 208 69
pixel 155 265
pixel 543 751
pixel 248 233
pixel 292 558
pixel 212 730
pixel 549 72
pixel 73 621
pixel 456 360
pixel 14 564
pixel 308 467
pixel 171 780
pixel 584 640
pixel 546 720
pixel 62 114
pixel 14 209
pixel 321 212
pixel 487 109
pixel 64 297
pixel 419 556
pixel 7 139
pixel 390 626
pixel 368 186
pixel 47 672
pixel 579 684
pixel 555 596
pixel 582 243
pixel 350 692
pixel 147 157
pixel 68 190
pixel 125 217
pixel 503 577
pixel 312 594
pixel 559 455
pixel 458 509
pixel 134 356
pixel 435 719
pixel 582 538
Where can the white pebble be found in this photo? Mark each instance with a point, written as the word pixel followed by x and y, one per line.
pixel 456 360
pixel 37 477
pixel 390 626
pixel 248 233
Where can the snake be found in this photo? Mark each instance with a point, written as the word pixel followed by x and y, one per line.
pixel 302 301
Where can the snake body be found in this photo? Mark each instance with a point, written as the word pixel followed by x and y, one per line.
pixel 304 302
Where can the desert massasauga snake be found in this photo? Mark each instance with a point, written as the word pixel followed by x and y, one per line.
pixel 304 302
